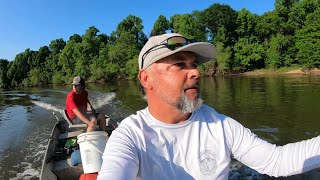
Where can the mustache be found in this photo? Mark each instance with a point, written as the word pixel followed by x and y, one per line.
pixel 194 85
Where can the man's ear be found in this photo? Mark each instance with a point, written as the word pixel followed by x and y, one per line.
pixel 145 79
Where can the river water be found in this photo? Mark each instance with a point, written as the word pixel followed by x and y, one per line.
pixel 280 109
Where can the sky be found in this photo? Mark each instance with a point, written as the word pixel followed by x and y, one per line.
pixel 35 23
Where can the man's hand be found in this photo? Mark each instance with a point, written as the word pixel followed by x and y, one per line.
pixel 93 124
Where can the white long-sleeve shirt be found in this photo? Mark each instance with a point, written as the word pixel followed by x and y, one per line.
pixel 143 147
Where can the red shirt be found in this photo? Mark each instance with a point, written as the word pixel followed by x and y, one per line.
pixel 76 101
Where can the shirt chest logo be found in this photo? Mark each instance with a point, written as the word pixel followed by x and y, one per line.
pixel 207 162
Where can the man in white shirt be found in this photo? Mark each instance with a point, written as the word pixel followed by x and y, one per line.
pixel 178 137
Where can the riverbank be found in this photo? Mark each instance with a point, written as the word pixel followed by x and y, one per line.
pixel 286 71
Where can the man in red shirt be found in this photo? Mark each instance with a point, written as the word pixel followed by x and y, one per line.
pixel 77 104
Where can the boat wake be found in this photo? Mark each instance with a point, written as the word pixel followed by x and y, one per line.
pixel 99 100
pixel 47 106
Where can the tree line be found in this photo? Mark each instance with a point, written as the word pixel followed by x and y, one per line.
pixel 287 36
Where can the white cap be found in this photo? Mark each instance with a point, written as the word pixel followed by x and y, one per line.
pixel 205 51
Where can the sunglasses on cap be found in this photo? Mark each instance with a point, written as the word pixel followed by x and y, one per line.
pixel 172 43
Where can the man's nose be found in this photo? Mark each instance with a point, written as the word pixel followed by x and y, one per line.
pixel 194 73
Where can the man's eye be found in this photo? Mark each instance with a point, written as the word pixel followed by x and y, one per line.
pixel 184 65
pixel 181 64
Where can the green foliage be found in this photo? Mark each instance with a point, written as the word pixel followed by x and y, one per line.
pixel 98 74
pixel 4 81
pixel 308 41
pixel 19 69
pixel 34 78
pixel 129 39
pixel 58 78
pixel 221 64
pixel 132 67
pixel 51 66
pixel 118 53
pixel 223 58
pixel 76 38
pixel 160 26
pixel 67 58
pixel 280 52
pixel 112 71
pixel 131 26
pixel 288 36
pixel 267 25
pixel 246 23
pixel 221 36
pixel 43 53
pixel 273 54
pixel 249 54
pixel 283 9
pixel 188 25
pixel 217 16
pixel 56 46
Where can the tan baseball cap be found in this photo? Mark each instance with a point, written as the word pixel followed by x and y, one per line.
pixel 205 51
pixel 77 80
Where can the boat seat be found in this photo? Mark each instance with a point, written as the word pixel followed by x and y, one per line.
pixel 111 124
pixel 70 125
pixel 71 134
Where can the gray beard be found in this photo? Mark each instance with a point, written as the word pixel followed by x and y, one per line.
pixel 188 106
pixel 185 105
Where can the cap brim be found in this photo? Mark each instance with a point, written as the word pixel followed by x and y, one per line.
pixel 204 51
pixel 75 83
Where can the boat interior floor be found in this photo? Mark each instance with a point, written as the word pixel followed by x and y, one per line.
pixel 64 170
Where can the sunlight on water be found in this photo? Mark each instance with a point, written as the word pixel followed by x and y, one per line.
pixel 266 129
pixel 15 94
